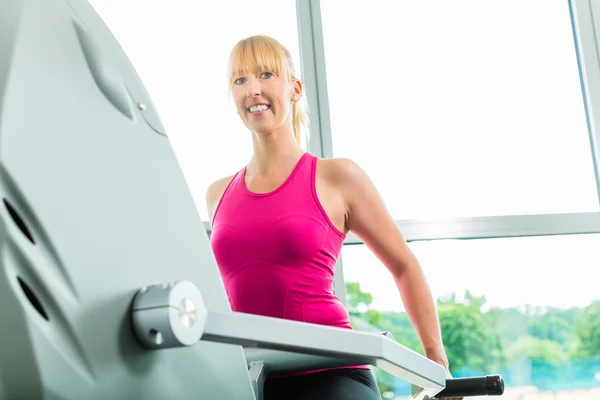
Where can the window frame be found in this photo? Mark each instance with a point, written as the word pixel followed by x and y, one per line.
pixel 585 19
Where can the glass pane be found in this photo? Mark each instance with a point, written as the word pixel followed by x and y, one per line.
pixel 454 115
pixel 526 308
pixel 180 50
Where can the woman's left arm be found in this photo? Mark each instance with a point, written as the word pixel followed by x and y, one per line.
pixel 368 218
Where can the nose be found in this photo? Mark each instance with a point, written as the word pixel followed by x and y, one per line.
pixel 253 89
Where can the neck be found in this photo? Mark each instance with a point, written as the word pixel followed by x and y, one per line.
pixel 273 153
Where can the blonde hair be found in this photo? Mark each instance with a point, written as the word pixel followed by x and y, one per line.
pixel 261 53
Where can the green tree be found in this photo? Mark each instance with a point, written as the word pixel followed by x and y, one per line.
pixel 468 339
pixel 399 325
pixel 355 297
pixel 509 323
pixel 556 325
pixel 587 329
pixel 535 349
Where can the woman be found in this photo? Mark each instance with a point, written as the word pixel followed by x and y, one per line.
pixel 279 223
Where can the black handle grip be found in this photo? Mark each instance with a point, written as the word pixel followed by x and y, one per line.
pixel 491 385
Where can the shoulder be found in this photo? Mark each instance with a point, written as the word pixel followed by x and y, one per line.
pixel 217 188
pixel 215 192
pixel 350 180
pixel 343 173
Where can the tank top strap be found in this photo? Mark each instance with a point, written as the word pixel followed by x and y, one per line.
pixel 237 182
pixel 232 187
pixel 303 172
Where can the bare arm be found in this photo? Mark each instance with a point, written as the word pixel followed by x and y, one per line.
pixel 369 219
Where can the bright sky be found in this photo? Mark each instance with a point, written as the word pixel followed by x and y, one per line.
pixel 447 122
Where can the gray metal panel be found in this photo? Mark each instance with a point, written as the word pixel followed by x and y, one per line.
pixel 330 346
pixel 108 211
pixel 585 16
pixel 126 72
pixel 496 227
pixel 284 361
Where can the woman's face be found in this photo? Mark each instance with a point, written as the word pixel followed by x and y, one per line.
pixel 263 100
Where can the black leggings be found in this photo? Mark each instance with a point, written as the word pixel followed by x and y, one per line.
pixel 335 384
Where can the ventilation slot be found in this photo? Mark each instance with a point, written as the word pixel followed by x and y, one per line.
pixel 33 299
pixel 15 216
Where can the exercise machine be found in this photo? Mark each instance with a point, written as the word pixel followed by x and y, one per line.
pixel 108 286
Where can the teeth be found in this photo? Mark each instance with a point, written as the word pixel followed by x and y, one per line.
pixel 258 108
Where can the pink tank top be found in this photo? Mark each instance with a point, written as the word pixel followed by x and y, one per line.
pixel 277 251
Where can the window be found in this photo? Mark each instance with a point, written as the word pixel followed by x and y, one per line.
pixel 527 308
pixel 180 50
pixel 454 115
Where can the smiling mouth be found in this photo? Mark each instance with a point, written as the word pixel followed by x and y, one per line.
pixel 258 108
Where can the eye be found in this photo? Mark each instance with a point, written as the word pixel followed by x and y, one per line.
pixel 266 75
pixel 239 81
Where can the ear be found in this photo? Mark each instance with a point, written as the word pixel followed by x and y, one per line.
pixel 297 91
